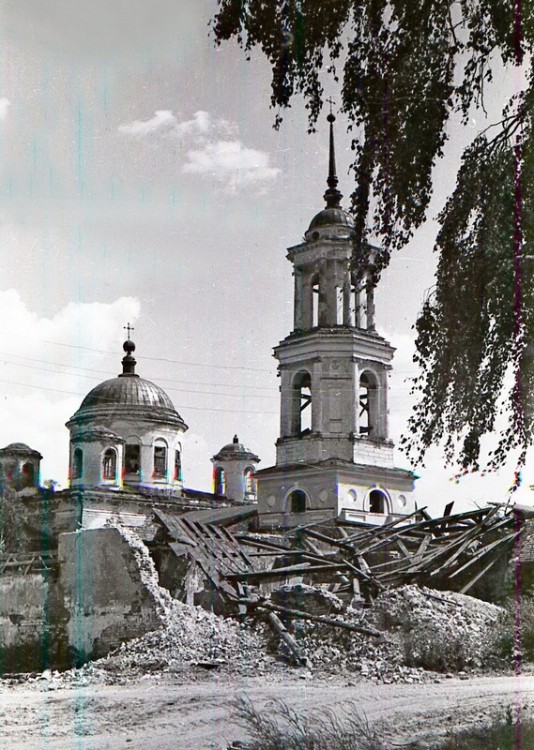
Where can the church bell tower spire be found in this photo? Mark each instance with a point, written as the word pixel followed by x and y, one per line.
pixel 332 196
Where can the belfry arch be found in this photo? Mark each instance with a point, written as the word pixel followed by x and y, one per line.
pixel 301 404
pixel 368 405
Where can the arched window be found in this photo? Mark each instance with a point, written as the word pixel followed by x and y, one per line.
pixel 368 401
pixel 315 301
pixel 28 475
pixel 301 417
pixel 296 501
pixel 178 465
pixel 77 464
pixel 219 481
pixel 109 464
pixel 132 459
pixel 250 482
pixel 340 305
pixel 377 501
pixel 160 459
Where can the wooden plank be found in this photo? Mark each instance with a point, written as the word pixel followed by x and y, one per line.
pixel 220 550
pixel 422 549
pixel 263 544
pixel 210 570
pixel 179 549
pixel 403 548
pixel 223 516
pixel 226 533
pixel 484 552
pixel 298 614
pixel 276 573
pixel 174 527
pixel 479 575
pixel 288 639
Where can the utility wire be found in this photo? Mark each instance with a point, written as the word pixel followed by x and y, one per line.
pixel 152 359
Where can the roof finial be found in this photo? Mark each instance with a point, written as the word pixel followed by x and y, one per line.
pixel 332 195
pixel 128 362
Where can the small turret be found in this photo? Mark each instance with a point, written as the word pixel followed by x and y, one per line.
pixel 233 472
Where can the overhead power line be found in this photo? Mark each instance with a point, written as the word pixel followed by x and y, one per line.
pixel 152 359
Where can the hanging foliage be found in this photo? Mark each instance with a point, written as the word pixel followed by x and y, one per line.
pixel 403 67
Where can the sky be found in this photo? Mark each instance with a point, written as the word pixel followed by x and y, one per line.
pixel 142 182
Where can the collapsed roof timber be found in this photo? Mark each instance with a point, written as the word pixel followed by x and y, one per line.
pixel 86 592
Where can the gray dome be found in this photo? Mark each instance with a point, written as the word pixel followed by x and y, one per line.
pixel 17 447
pixel 131 391
pixel 126 397
pixel 235 450
pixel 331 216
pixel 21 449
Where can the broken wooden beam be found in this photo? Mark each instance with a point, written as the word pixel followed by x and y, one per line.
pixel 324 619
pixel 287 638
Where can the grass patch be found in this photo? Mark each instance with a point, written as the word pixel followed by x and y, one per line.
pixel 504 733
pixel 282 728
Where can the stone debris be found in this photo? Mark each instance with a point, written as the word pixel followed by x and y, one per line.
pixel 427 636
pixel 425 632
pixel 313 599
pixel 442 630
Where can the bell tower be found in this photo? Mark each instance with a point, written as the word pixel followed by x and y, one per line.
pixel 334 453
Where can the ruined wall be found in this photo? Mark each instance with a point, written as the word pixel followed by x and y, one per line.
pixel 32 622
pixel 88 601
pixel 103 591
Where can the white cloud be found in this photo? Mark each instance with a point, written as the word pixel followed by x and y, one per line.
pixel 200 125
pixel 163 121
pixel 47 365
pixel 231 163
pixel 212 148
pixel 4 105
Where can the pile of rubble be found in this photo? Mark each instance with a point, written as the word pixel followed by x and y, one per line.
pixel 423 632
pixel 442 630
pixel 190 638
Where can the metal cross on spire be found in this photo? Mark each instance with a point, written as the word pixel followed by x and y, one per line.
pixel 129 329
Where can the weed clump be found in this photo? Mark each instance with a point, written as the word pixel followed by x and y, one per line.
pixel 282 728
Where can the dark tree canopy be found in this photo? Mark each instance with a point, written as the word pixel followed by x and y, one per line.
pixel 402 68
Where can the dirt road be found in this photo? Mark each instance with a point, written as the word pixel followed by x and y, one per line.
pixel 163 715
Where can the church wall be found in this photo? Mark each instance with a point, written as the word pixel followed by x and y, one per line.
pixel 353 499
pixel 93 453
pixel 235 477
pixel 311 449
pixel 83 606
pixel 273 503
pixel 103 591
pixel 32 622
pixel 372 452
pixel 129 431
